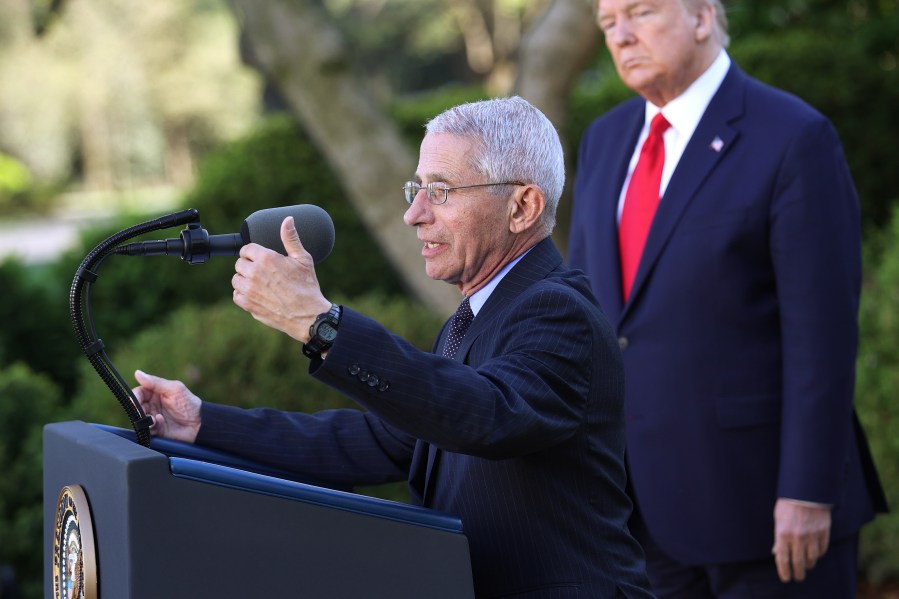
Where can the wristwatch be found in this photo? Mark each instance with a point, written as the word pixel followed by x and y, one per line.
pixel 322 333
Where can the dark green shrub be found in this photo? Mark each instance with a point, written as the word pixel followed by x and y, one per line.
pixel 27 402
pixel 411 113
pixel 876 396
pixel 35 323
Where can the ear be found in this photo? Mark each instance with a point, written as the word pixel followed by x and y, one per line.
pixel 706 18
pixel 525 208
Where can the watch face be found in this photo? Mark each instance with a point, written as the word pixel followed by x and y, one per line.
pixel 326 332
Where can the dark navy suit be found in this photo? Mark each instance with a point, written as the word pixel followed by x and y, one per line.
pixel 739 337
pixel 522 436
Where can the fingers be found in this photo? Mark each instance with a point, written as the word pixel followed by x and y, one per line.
pixel 801 538
pixel 816 548
pixel 782 560
pixel 797 557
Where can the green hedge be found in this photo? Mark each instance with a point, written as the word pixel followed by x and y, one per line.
pixel 27 402
pixel 876 395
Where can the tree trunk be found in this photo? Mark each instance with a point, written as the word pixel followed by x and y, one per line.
pixel 553 53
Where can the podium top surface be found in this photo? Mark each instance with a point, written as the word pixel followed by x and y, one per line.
pixel 209 466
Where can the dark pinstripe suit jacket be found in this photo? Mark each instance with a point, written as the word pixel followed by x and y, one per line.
pixel 522 436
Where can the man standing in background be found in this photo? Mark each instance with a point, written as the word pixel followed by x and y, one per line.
pixel 718 222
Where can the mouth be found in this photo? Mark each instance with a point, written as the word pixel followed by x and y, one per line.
pixel 430 249
pixel 631 62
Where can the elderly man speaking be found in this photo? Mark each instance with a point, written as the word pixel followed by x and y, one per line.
pixel 514 422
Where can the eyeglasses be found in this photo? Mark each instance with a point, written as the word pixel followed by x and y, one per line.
pixel 438 192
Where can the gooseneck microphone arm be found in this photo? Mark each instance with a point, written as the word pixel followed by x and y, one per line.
pixel 82 319
pixel 195 246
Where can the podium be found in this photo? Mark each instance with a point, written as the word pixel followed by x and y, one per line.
pixel 177 521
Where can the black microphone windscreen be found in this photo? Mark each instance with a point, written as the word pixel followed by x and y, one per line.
pixel 314 225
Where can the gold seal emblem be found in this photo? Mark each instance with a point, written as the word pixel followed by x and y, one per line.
pixel 74 557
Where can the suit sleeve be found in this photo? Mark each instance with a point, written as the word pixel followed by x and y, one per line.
pixel 816 250
pixel 341 447
pixel 527 391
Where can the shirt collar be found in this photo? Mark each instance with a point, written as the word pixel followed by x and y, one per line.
pixel 685 111
pixel 480 297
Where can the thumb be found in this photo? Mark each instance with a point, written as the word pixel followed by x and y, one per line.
pixel 149 381
pixel 143 378
pixel 291 239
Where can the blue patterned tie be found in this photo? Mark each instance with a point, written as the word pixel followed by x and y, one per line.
pixel 460 323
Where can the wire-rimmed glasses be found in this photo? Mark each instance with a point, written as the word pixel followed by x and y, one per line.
pixel 438 192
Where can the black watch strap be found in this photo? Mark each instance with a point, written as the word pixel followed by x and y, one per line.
pixel 322 332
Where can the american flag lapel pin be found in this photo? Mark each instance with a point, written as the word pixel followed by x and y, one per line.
pixel 717 144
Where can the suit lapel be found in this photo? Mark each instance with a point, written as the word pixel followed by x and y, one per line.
pixel 534 266
pixel 713 137
pixel 543 258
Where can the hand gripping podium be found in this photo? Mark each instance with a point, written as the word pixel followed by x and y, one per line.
pixel 176 521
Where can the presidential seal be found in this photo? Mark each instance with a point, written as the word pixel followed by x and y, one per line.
pixel 74 557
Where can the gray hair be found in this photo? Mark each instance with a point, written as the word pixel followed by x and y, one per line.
pixel 514 142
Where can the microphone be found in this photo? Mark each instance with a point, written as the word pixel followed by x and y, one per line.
pixel 195 246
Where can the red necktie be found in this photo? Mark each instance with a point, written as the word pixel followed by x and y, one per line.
pixel 641 201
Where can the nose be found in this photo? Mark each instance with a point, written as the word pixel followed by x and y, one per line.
pixel 621 34
pixel 419 211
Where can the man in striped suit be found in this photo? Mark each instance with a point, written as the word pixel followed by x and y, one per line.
pixel 513 423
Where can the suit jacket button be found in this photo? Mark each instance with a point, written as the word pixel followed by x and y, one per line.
pixel 622 343
pixel 353 370
pixel 363 376
pixel 384 386
pixel 373 380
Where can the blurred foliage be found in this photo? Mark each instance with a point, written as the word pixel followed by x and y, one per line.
pixel 876 390
pixel 14 178
pixel 275 165
pixel 35 324
pixel 421 31
pixel 412 112
pixel 28 402
pixel 112 97
pixel 406 46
